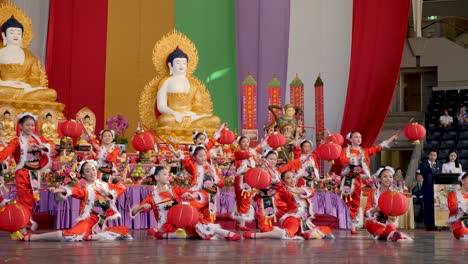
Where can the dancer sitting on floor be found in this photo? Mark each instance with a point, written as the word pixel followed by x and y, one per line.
pixel 382 227
pixel 458 206
pixel 97 206
pixel 164 197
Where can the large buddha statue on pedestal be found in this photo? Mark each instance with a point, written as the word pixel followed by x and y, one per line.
pixel 23 82
pixel 183 104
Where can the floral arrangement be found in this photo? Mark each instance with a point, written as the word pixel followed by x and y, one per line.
pixel 63 176
pixel 331 183
pixel 182 178
pixel 119 124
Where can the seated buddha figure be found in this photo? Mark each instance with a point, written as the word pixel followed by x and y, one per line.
pixel 21 74
pixel 49 129
pixel 180 99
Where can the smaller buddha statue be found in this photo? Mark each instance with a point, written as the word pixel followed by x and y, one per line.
pixel 49 128
pixel 21 74
pixel 9 126
pixel 88 120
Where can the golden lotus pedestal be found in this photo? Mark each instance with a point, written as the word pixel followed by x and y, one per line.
pixel 35 106
pixel 182 135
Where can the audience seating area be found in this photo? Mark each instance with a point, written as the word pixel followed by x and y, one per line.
pixel 445 139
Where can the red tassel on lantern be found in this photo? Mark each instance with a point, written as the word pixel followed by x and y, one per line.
pixel 183 215
pixel 257 178
pixel 393 203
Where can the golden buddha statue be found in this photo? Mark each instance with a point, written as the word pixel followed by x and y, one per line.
pixel 48 126
pixel 23 82
pixel 8 120
pixel 182 101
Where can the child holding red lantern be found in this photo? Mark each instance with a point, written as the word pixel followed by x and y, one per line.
pixel 245 158
pixel 355 161
pixel 205 178
pixel 32 154
pixel 97 206
pixel 165 197
pixel 305 164
pixel 107 153
pixel 381 226
pixel 458 207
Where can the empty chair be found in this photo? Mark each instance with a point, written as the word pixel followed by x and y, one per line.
pixel 431 144
pixel 447 144
pixel 434 135
pixel 449 135
pixel 464 163
pixel 438 94
pixel 464 93
pixel 463 135
pixel 462 144
pixel 462 153
pixel 443 153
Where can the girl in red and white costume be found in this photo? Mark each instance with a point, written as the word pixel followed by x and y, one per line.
pixel 201 139
pixel 205 178
pixel 355 161
pixel 32 154
pixel 304 165
pixel 107 153
pixel 245 158
pixel 379 225
pixel 98 200
pixel 164 192
pixel 458 207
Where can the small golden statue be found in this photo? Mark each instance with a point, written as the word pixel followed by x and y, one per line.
pixel 88 118
pixel 288 125
pixel 183 102
pixel 8 120
pixel 23 81
pixel 48 123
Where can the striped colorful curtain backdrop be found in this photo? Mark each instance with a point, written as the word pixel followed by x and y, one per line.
pixel 99 52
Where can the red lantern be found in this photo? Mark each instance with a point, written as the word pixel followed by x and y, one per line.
pixel 336 138
pixel 393 203
pixel 415 132
pixel 143 141
pixel 329 151
pixel 14 217
pixel 257 178
pixel 71 128
pixel 226 137
pixel 276 140
pixel 182 216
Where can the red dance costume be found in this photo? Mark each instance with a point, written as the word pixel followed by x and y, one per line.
pixel 160 209
pixel 379 225
pixel 106 158
pixel 244 160
pixel 95 210
pixel 355 164
pixel 305 166
pixel 205 184
pixel 458 206
pixel 30 164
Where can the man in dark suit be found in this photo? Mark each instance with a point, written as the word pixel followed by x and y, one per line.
pixel 429 169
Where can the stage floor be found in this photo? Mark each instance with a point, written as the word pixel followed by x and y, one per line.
pixel 428 247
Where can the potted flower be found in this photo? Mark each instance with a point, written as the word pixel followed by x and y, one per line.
pixel 119 124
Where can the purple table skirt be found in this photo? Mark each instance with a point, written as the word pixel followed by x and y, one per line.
pixel 66 211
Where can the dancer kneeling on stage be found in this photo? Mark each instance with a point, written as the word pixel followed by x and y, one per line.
pixel 164 197
pixel 381 226
pixel 97 206
pixel 458 206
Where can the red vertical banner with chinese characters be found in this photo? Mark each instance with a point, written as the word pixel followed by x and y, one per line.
pixel 319 117
pixel 274 97
pixel 296 94
pixel 249 109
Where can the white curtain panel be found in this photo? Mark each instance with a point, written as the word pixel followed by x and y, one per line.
pixel 38 11
pixel 320 42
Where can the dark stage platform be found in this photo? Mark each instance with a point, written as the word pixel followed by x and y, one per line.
pixel 428 247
